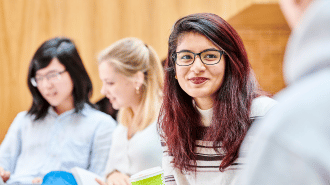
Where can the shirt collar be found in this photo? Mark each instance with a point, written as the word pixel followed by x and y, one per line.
pixel 84 111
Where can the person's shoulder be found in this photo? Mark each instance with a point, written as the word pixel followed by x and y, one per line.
pixel 310 91
pixel 99 113
pixel 152 125
pixel 303 105
pixel 88 110
pixel 97 116
pixel 261 105
pixel 119 131
pixel 23 116
pixel 308 97
pixel 22 119
pixel 151 129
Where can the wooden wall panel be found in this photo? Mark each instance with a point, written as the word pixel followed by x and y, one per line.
pixel 93 25
pixel 264 32
pixel 265 50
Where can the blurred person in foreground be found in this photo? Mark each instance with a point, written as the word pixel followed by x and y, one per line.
pixel 211 98
pixel 61 130
pixel 292 143
pixel 132 76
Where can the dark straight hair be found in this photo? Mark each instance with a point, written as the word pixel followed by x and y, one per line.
pixel 180 121
pixel 66 52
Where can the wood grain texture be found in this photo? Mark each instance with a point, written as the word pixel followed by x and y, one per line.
pixel 265 33
pixel 93 25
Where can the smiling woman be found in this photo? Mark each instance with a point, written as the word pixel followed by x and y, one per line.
pixel 204 76
pixel 61 130
pixel 55 85
pixel 132 77
pixel 115 83
pixel 57 73
pixel 210 100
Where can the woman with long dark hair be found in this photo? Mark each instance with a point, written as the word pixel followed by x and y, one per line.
pixel 61 130
pixel 210 99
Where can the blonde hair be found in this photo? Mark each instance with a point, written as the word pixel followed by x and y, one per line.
pixel 129 56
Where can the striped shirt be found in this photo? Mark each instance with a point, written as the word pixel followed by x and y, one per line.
pixel 208 160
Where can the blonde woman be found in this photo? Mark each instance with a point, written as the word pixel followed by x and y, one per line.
pixel 132 77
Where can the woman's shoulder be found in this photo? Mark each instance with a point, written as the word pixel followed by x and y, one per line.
pixel 23 116
pixel 261 105
pixel 150 132
pixel 120 127
pixel 21 119
pixel 152 128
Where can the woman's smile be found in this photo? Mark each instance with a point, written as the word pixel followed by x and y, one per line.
pixel 198 80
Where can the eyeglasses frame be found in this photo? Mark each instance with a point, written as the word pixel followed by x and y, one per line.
pixel 174 56
pixel 34 82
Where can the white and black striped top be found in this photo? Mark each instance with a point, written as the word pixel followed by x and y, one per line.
pixel 208 160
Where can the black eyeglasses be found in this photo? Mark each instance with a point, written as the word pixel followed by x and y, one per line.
pixel 208 57
pixel 51 77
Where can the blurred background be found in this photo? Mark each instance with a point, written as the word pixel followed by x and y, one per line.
pixel 95 24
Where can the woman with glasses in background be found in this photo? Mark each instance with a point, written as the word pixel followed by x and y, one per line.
pixel 210 99
pixel 61 130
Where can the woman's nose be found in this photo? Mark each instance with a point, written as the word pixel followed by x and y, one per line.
pixel 198 66
pixel 46 83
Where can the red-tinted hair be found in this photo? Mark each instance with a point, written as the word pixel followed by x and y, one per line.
pixel 179 119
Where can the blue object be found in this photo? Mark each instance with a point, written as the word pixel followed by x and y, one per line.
pixel 59 178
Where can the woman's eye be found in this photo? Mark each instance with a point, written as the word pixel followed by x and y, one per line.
pixel 109 83
pixel 186 57
pixel 210 56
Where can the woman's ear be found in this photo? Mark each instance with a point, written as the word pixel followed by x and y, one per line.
pixel 138 79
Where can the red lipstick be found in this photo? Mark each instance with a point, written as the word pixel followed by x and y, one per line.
pixel 198 80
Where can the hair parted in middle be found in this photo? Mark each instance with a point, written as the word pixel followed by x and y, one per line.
pixel 179 120
pixel 129 56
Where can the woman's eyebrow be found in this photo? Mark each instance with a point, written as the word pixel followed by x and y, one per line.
pixel 184 50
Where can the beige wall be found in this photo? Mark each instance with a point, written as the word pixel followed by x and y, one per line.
pixel 93 25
